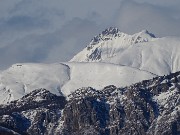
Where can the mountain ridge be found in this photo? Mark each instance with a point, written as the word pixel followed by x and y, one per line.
pixel 113 32
pixel 122 41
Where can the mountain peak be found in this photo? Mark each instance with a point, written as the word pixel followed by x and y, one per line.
pixel 110 31
pixel 107 34
pixel 113 32
pixel 111 42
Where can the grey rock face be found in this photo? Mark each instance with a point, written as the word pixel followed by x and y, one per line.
pixel 107 34
pixel 151 107
pixel 36 113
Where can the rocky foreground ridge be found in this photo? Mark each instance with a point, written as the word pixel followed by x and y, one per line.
pixel 150 107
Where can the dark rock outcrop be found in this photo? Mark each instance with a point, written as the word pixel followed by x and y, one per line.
pixel 33 113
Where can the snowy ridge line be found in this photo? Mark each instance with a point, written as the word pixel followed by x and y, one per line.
pixel 109 42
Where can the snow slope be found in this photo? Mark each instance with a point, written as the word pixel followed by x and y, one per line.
pixel 99 75
pixel 160 57
pixel 21 79
pixel 64 78
pixel 142 51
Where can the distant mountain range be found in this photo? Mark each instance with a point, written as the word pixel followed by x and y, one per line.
pixel 118 84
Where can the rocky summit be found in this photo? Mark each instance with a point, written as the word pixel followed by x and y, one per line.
pixel 150 107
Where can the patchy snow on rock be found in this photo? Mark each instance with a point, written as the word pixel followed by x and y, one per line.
pixel 162 98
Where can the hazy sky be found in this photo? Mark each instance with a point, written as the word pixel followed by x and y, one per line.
pixel 55 30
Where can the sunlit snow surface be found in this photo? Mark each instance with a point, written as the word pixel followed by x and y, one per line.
pixel 21 79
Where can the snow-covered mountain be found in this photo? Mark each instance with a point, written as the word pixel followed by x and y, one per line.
pixel 110 42
pixel 111 58
pixel 112 87
pixel 142 50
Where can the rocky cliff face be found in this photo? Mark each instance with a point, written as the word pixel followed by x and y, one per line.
pixel 151 107
pixel 36 113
